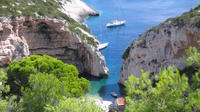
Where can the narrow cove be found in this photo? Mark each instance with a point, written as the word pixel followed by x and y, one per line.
pixel 139 17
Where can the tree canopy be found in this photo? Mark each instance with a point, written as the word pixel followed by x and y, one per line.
pixel 74 105
pixel 44 84
pixel 43 89
pixel 3 88
pixel 20 71
pixel 170 92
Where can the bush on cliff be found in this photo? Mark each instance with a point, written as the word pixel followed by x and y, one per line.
pixel 171 92
pixel 43 89
pixel 74 105
pixel 46 94
pixel 45 84
pixel 20 71
pixel 3 88
pixel 7 103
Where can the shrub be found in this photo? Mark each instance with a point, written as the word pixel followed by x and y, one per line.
pixel 170 92
pixel 19 72
pixel 74 105
pixel 43 89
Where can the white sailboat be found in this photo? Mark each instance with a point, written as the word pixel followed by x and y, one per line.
pixel 102 46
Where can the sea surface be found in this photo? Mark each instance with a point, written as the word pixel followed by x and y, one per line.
pixel 140 16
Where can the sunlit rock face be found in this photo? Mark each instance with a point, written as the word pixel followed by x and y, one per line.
pixel 11 45
pixel 76 9
pixel 65 38
pixel 160 47
pixel 23 36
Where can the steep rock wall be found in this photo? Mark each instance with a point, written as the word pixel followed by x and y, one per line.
pixel 162 46
pixel 52 37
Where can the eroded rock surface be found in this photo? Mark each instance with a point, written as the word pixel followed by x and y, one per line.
pixel 76 9
pixel 11 45
pixel 160 47
pixel 23 36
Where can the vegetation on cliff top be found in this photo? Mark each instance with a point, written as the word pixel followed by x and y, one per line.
pixel 171 91
pixel 33 8
pixel 192 17
pixel 188 18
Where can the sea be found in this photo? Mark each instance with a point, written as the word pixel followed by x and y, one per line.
pixel 140 15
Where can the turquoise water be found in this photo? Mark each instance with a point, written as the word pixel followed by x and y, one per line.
pixel 140 15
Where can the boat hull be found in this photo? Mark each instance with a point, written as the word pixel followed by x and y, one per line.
pixel 112 26
pixel 113 94
pixel 102 46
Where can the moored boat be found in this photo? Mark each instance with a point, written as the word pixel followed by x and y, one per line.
pixel 115 23
pixel 102 46
pixel 113 94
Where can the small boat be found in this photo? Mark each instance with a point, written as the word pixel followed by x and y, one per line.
pixel 113 94
pixel 115 23
pixel 102 46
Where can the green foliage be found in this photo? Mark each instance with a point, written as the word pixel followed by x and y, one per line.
pixel 29 8
pixel 90 40
pixel 171 92
pixel 192 17
pixel 6 103
pixel 50 8
pixel 196 81
pixel 193 57
pixel 19 72
pixel 193 104
pixel 139 42
pixel 126 53
pixel 74 105
pixel 140 84
pixel 3 88
pixel 188 18
pixel 3 79
pixel 155 28
pixel 3 105
pixel 44 89
pixel 167 96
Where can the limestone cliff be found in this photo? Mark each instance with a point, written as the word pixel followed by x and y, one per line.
pixel 162 45
pixel 11 45
pixel 60 36
pixel 77 9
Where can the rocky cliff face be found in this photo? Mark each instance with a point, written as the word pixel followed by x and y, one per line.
pixel 76 9
pixel 11 46
pixel 23 36
pixel 64 38
pixel 162 45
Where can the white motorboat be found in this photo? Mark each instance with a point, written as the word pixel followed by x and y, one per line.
pixel 115 23
pixel 113 94
pixel 102 46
